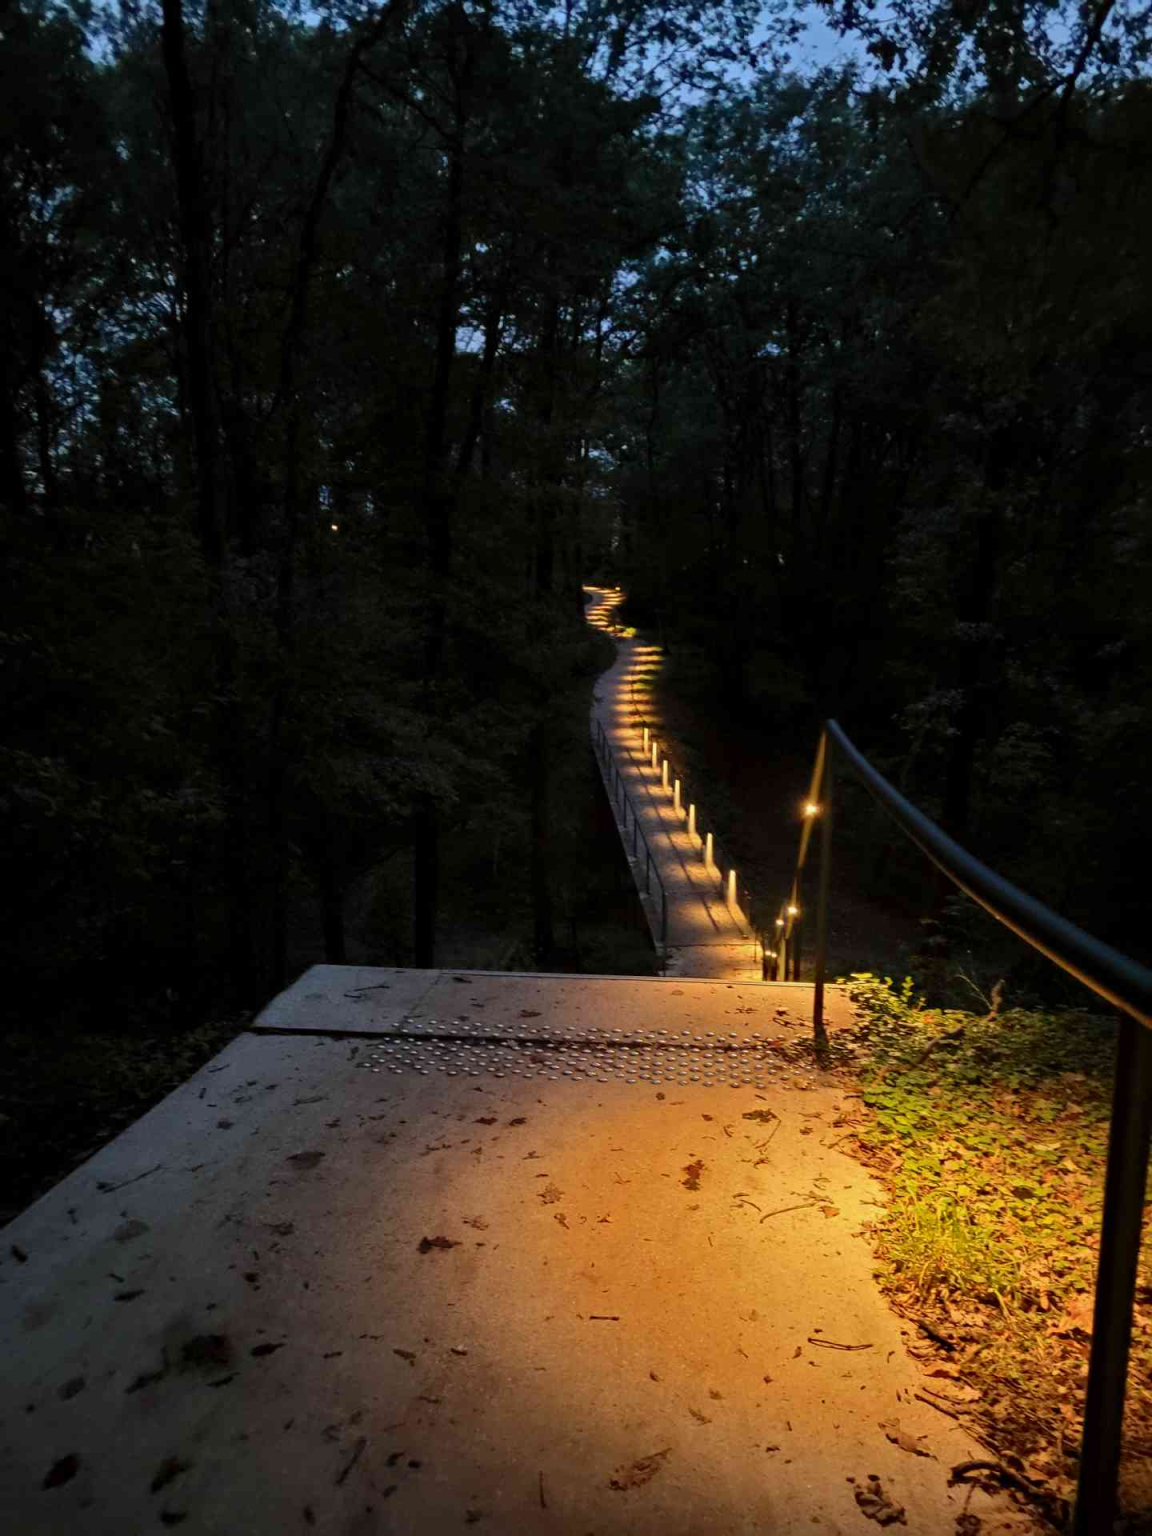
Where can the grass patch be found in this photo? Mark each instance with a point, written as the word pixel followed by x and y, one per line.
pixel 990 1133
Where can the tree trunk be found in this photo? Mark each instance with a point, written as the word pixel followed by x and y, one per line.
pixel 425 882
pixel 332 914
pixel 288 398
pixel 196 233
pixel 437 506
pixel 44 442
pixel 973 675
pixel 195 229
pixel 12 491
pixel 540 767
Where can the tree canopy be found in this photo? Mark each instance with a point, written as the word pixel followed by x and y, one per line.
pixel 341 345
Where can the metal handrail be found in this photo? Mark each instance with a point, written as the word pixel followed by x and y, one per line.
pixel 618 794
pixel 721 859
pixel 1120 981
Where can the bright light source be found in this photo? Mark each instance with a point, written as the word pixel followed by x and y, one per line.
pixel 779 922
pixel 335 527
pixel 793 911
pixel 811 809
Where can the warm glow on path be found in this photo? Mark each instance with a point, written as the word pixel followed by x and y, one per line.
pixel 708 933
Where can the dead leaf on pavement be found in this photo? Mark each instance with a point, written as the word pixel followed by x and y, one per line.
pixel 701 1418
pixel 905 1441
pixel 876 1505
pixel 638 1472
pixel 427 1244
pixel 693 1172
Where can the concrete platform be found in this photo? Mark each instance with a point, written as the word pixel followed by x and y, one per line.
pixel 371 1000
pixel 521 1269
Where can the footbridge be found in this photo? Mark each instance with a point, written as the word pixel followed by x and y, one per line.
pixel 692 898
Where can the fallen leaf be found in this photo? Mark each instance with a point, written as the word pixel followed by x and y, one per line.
pixel 701 1418
pixel 876 1505
pixel 169 1470
pixel 426 1244
pixel 693 1172
pixel 1076 1318
pixel 639 1472
pixel 127 1230
pixel 61 1472
pixel 207 1349
pixel 830 1210
pixel 406 1354
pixel 550 1194
pixel 305 1160
pixel 905 1441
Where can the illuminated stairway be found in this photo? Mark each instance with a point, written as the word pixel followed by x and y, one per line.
pixel 707 932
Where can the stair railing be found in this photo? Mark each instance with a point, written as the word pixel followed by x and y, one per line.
pixel 621 805
pixel 1120 981
pixel 687 802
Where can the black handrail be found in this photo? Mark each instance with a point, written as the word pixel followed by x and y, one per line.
pixel 1121 981
pixel 720 854
pixel 622 800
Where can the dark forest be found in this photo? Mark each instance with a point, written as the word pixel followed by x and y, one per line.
pixel 341 346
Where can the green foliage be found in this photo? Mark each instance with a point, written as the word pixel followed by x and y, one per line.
pixel 990 1135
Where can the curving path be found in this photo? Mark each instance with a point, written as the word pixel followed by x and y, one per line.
pixel 708 935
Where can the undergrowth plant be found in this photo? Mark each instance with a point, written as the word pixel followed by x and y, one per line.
pixel 990 1133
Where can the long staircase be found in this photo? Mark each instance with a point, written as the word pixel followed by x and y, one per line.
pixel 692 904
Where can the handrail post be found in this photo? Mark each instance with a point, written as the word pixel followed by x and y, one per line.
pixel 647 869
pixel 664 923
pixel 1124 1183
pixel 824 801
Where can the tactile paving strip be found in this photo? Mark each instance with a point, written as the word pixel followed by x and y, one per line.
pixel 464 1047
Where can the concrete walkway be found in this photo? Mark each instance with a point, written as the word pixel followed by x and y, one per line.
pixel 708 935
pixel 426 1250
